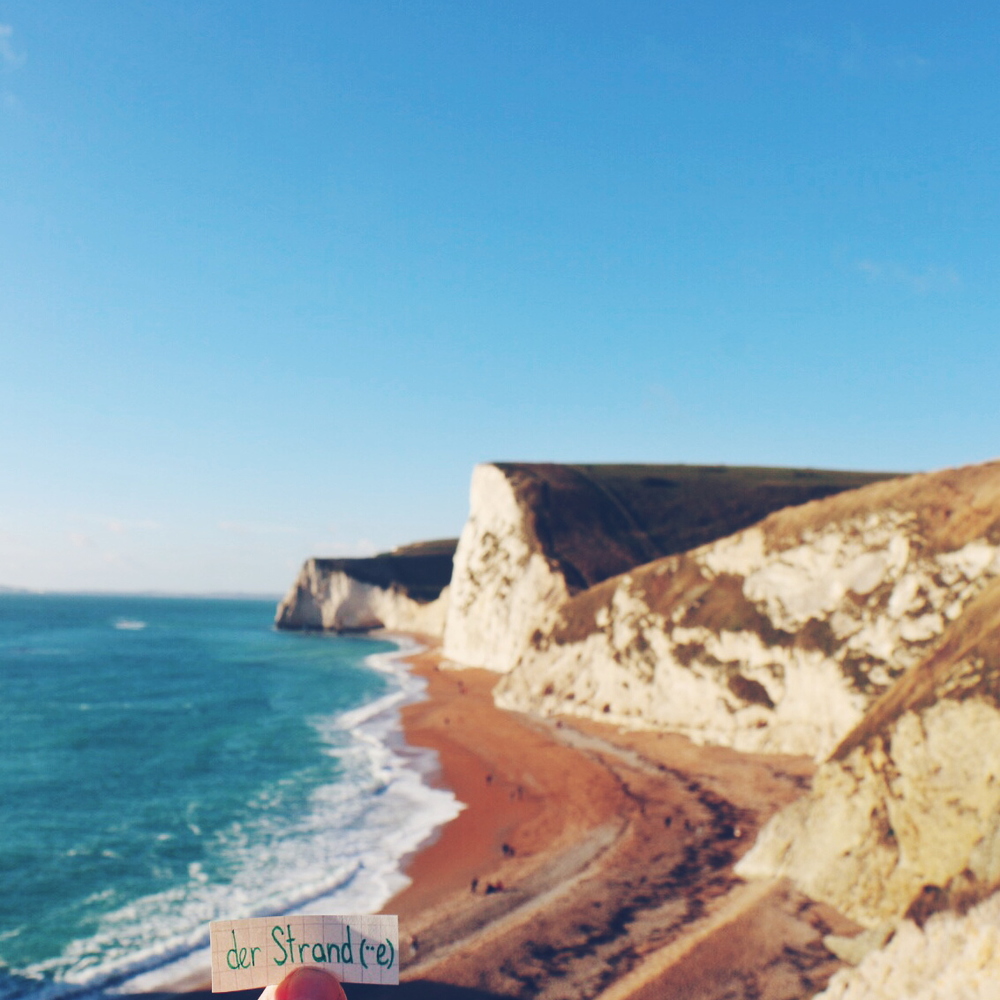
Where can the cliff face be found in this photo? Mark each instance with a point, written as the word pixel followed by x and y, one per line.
pixel 953 956
pixel 863 629
pixel 905 816
pixel 780 637
pixel 538 534
pixel 503 585
pixel 406 589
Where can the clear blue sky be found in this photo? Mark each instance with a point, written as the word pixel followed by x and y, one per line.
pixel 275 275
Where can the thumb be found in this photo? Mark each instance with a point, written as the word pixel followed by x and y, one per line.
pixel 309 984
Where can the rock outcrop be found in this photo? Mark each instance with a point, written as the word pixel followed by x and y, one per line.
pixel 537 534
pixel 904 818
pixel 780 637
pixel 406 589
pixel 951 956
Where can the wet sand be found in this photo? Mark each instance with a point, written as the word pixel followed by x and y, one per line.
pixel 590 862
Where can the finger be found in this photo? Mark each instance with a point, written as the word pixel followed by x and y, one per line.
pixel 309 984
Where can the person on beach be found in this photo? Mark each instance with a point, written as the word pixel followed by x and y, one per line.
pixel 309 984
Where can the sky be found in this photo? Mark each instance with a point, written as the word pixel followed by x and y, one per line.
pixel 274 276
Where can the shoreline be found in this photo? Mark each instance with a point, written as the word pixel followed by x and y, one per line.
pixel 590 861
pixel 189 971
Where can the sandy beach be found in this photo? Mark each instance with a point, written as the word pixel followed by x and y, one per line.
pixel 593 862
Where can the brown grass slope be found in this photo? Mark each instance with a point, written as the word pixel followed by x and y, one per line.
pixel 949 509
pixel 782 636
pixel 595 521
pixel 421 570
pixel 952 507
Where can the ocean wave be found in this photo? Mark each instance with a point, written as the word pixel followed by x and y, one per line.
pixel 342 856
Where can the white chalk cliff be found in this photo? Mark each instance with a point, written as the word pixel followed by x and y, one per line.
pixel 337 601
pixel 503 588
pixel 905 815
pixel 864 630
pixel 780 637
pixel 953 957
pixel 538 533
pixel 404 590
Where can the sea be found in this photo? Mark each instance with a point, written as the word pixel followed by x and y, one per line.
pixel 165 762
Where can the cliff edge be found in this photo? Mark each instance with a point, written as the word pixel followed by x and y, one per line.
pixel 539 533
pixel 782 636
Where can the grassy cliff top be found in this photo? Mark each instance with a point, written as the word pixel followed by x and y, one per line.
pixel 596 521
pixel 421 570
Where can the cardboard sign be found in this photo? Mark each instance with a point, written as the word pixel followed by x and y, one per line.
pixel 261 951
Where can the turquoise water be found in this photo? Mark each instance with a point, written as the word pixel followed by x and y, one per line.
pixel 165 762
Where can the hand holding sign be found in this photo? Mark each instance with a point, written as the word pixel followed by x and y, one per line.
pixel 306 984
pixel 262 951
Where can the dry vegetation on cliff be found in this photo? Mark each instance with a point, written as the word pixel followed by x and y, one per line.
pixel 781 636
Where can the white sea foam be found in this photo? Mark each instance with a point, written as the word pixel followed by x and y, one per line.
pixel 344 856
pixel 129 625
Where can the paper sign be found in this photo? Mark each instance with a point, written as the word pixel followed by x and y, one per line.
pixel 261 951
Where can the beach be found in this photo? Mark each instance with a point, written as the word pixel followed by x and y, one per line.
pixel 594 862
